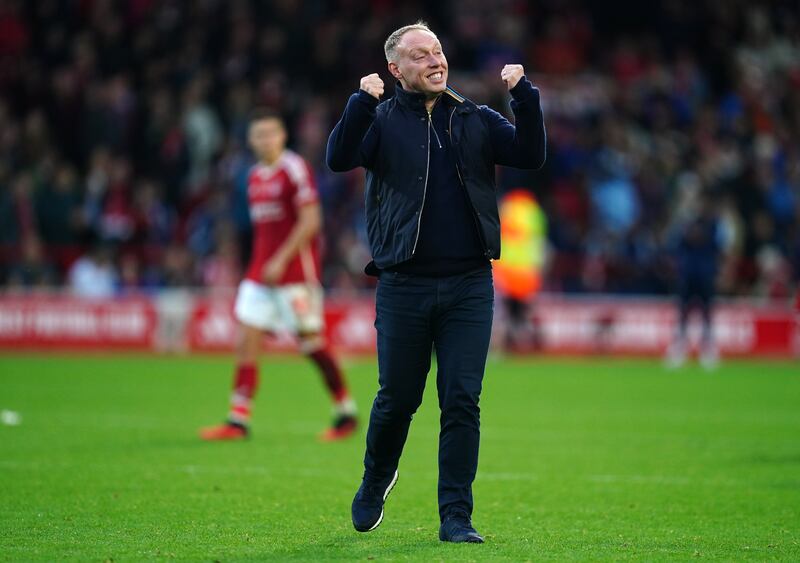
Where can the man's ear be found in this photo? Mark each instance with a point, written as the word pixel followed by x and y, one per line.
pixel 393 68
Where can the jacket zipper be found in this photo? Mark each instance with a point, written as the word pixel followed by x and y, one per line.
pixel 430 125
pixel 424 188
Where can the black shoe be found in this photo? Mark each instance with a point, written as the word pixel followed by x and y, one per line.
pixel 343 427
pixel 457 528
pixel 367 509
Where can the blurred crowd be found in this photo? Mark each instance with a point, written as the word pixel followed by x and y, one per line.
pixel 123 156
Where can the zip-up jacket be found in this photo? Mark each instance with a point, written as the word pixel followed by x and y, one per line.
pixel 391 140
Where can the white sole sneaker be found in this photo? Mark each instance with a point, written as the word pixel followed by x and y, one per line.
pixel 385 494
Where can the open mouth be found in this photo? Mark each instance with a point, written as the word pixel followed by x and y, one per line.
pixel 436 76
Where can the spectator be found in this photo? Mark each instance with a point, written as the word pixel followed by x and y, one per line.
pixel 117 222
pixel 58 208
pixel 134 117
pixel 24 225
pixel 177 267
pixel 93 275
pixel 33 270
pixel 202 130
pixel 154 219
pixel 222 269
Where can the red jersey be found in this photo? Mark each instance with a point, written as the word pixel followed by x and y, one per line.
pixel 275 194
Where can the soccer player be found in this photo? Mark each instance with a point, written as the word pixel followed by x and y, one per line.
pixel 697 254
pixel 281 288
pixel 433 227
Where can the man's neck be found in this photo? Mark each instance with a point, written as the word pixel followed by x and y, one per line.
pixel 430 102
pixel 270 161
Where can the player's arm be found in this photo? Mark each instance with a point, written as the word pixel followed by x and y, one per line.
pixel 522 145
pixel 308 224
pixel 353 141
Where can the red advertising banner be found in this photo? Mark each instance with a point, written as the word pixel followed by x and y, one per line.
pixel 211 326
pixel 648 326
pixel 558 325
pixel 72 323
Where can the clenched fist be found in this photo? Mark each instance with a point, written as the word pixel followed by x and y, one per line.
pixel 511 75
pixel 373 85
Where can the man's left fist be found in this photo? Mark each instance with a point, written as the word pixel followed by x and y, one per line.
pixel 511 75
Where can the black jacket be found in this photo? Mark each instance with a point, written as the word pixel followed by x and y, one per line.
pixel 391 141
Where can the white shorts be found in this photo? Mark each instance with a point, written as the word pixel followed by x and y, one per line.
pixel 295 307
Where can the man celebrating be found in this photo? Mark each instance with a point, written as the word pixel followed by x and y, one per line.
pixel 433 227
pixel 281 288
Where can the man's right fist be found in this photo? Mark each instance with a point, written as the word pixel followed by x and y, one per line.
pixel 372 85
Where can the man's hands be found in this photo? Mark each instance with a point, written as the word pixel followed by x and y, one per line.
pixel 373 85
pixel 511 74
pixel 273 270
pixel 308 224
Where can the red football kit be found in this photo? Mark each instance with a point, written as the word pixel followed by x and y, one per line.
pixel 275 194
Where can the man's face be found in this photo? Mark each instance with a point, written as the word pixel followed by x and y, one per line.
pixel 267 138
pixel 421 65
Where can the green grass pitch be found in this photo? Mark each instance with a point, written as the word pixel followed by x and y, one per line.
pixel 581 459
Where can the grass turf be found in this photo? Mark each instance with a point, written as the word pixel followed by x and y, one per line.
pixel 580 459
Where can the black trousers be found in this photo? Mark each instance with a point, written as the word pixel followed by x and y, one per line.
pixel 696 291
pixel 415 314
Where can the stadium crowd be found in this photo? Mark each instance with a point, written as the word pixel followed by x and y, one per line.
pixel 123 154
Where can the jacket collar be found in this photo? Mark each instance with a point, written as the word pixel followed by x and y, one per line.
pixel 416 101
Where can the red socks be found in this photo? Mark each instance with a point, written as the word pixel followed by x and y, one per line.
pixel 331 374
pixel 246 383
pixel 244 389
